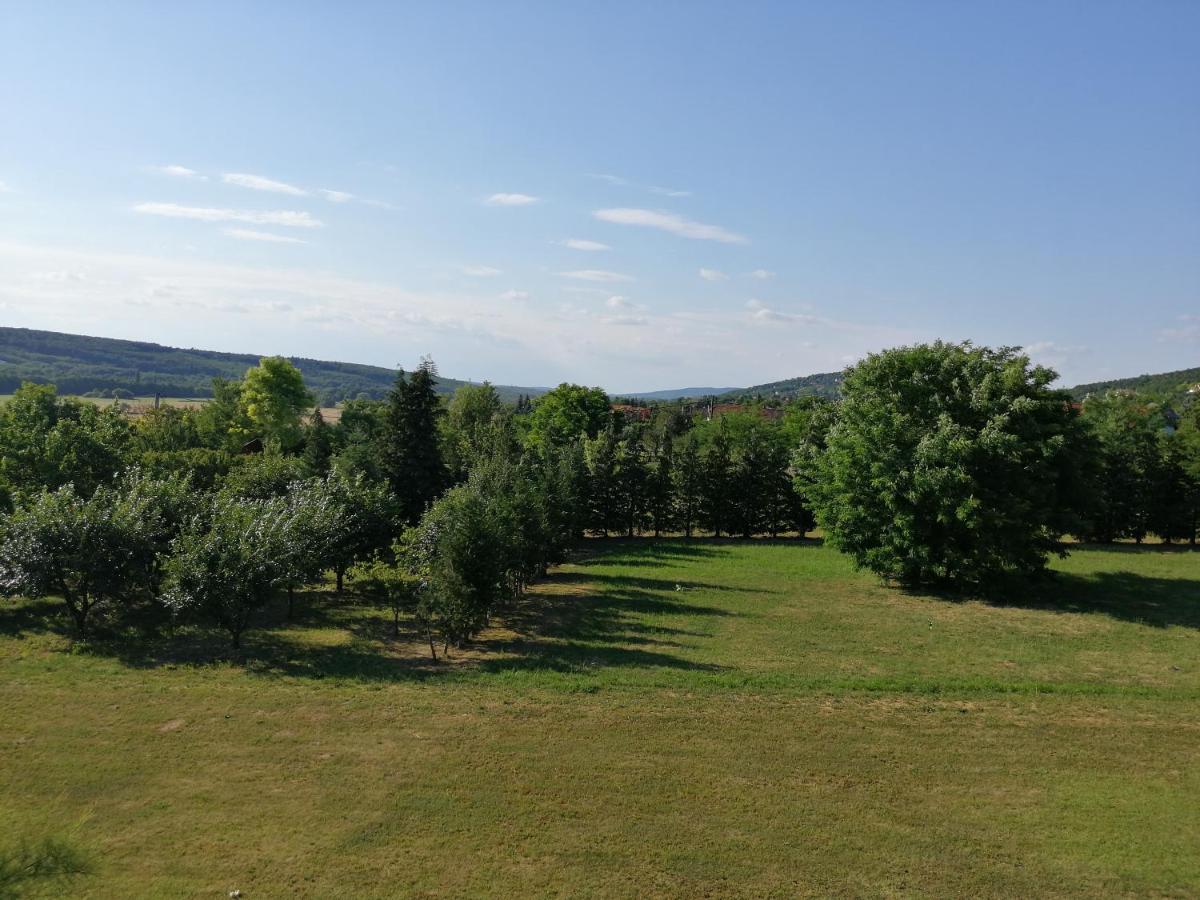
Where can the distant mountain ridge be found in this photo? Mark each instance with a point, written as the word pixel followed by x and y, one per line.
pixel 679 393
pixel 78 364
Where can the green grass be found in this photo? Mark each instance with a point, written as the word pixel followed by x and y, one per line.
pixel 675 719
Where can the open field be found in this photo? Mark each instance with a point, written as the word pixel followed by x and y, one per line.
pixel 135 406
pixel 673 719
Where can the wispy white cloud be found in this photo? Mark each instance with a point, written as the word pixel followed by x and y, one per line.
pixel 581 244
pixel 615 180
pixel 510 200
pixel 670 222
pixel 481 271
pixel 180 172
pixel 248 234
pixel 760 312
pixel 5 189
pixel 595 275
pixel 336 196
pixel 762 274
pixel 618 181
pixel 290 218
pixel 617 302
pixel 713 275
pixel 259 183
pixel 514 295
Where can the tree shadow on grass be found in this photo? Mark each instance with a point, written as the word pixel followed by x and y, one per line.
pixel 572 622
pixel 1126 596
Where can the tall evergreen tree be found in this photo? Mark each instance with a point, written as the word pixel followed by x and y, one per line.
pixel 687 476
pixel 716 493
pixel 410 456
pixel 318 443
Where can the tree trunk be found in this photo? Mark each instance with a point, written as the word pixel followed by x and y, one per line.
pixel 340 577
pixel 291 601
pixel 432 646
pixel 395 623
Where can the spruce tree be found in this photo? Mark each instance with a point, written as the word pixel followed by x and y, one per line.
pixel 318 444
pixel 410 457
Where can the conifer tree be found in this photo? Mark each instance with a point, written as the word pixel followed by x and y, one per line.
pixel 409 453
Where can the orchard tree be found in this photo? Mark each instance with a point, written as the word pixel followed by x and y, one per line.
pixel 458 555
pixel 88 551
pixel 387 583
pixel 951 463
pixel 273 396
pixel 228 564
pixel 353 519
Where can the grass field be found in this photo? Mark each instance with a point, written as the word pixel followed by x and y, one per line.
pixel 674 719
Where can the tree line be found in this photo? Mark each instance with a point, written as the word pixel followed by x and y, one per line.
pixel 941 463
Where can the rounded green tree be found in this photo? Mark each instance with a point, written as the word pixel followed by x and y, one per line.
pixel 950 463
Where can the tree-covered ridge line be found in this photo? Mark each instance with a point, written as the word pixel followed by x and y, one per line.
pixel 1176 388
pixel 79 364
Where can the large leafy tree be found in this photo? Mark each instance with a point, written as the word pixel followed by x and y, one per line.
pixel 570 410
pixel 410 456
pixel 950 463
pixel 273 396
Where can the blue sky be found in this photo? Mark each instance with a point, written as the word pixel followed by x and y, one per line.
pixel 634 195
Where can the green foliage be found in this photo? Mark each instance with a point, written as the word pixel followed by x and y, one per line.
pixel 389 584
pixel 473 423
pixel 950 463
pixel 47 442
pixel 202 466
pixel 228 563
pixel 567 412
pixel 260 476
pixel 91 552
pixel 1127 428
pixel 355 519
pixel 274 396
pixel 410 457
pixel 318 444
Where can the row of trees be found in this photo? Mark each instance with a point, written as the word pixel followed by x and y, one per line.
pixel 942 463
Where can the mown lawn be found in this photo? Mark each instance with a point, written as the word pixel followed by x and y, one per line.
pixel 673 719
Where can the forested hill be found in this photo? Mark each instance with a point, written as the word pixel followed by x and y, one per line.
pixel 78 364
pixel 1172 387
pixel 826 384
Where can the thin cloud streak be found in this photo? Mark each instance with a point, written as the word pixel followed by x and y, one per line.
pixel 595 275
pixel 259 183
pixel 671 223
pixel 510 200
pixel 248 234
pixel 289 218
